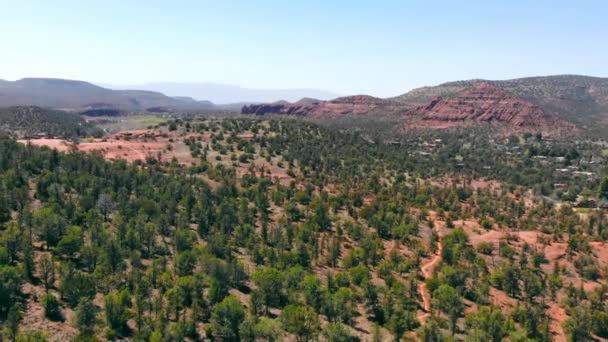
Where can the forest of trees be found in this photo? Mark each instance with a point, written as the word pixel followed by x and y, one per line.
pixel 27 121
pixel 154 251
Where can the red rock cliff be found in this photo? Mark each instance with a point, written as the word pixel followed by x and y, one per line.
pixel 486 103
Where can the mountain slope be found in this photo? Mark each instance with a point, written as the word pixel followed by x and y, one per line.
pixel 84 96
pixel 29 120
pixel 580 99
pixel 349 105
pixel 485 102
pixel 533 102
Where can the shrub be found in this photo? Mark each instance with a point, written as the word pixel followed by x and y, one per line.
pixel 52 310
pixel 485 247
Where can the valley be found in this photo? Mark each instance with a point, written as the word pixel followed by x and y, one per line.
pixel 304 171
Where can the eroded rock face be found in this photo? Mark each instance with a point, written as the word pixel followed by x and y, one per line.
pixel 357 105
pixel 486 102
pixel 480 103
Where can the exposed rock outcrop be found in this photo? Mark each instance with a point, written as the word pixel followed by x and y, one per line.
pixel 485 102
pixel 353 105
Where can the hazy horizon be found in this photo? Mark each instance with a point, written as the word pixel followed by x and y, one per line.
pixel 221 93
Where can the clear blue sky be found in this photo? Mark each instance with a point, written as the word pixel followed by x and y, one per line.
pixel 378 47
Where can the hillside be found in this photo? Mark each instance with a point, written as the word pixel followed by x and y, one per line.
pixel 485 103
pixel 581 99
pixel 89 98
pixel 281 229
pixel 540 103
pixel 306 107
pixel 31 120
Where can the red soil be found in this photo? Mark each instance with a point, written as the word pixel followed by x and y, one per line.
pixel 57 144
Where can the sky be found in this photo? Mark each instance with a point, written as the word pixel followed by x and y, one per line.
pixel 380 47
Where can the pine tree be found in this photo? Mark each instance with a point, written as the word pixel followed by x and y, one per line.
pixel 602 191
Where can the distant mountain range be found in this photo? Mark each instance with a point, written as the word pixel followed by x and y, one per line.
pixel 540 103
pixel 87 98
pixel 90 99
pixel 229 94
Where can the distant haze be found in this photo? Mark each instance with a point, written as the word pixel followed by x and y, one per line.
pixel 225 93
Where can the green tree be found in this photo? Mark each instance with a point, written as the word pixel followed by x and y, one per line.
pixel 117 312
pixel 260 328
pixel 86 317
pixel 226 318
pixel 337 332
pixel 602 191
pixel 359 274
pixel 12 321
pixel 49 225
pixel 533 284
pixel 270 286
pixel 10 281
pixel 184 263
pixel 268 329
pixel 10 239
pixel 75 285
pixel 449 301
pixel 343 301
pixel 71 242
pixel 300 321
pixel 46 272
pixel 52 309
pixel 402 321
pixel 490 321
pixel 431 331
pixel 578 326
pixel 313 292
pixel 321 215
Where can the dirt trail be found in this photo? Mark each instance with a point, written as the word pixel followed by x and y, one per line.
pixel 427 271
pixel 558 317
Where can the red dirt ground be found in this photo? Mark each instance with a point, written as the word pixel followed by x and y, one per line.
pixel 58 144
pixel 139 145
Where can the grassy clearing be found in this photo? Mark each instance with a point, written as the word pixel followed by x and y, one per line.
pixel 147 120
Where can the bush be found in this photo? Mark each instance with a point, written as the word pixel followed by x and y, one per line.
pixel 485 247
pixel 359 274
pixel 110 334
pixel 506 251
pixel 52 310
pixel 71 242
pixel 75 285
pixel 337 332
